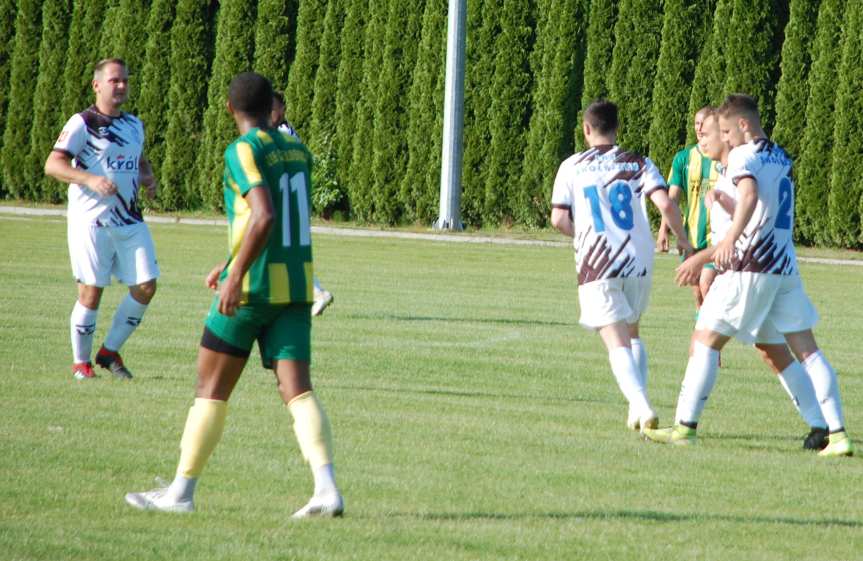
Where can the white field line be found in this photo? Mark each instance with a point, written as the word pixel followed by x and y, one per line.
pixel 363 233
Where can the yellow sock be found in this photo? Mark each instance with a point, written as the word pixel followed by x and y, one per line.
pixel 204 427
pixel 312 428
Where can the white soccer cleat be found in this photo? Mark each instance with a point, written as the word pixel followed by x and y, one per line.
pixel 159 499
pixel 323 299
pixel 324 506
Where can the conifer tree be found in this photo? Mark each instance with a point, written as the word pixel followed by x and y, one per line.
pixel 482 27
pixel 155 81
pixel 350 75
pixel 130 43
pixel 812 168
pixel 509 112
pixel 109 31
pixel 390 152
pixel 190 39
pixel 600 49
pixel 235 41
pixel 685 26
pixel 637 35
pixel 7 30
pixel 274 40
pixel 300 90
pixel 361 179
pixel 25 58
pixel 847 178
pixel 752 59
pixel 421 182
pixel 47 120
pixel 82 55
pixel 709 80
pixel 550 136
pixel 792 91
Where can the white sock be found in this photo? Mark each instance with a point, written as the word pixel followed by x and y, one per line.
pixel 639 353
pixel 126 319
pixel 628 378
pixel 325 480
pixel 317 284
pixel 82 325
pixel 797 383
pixel 826 389
pixel 183 488
pixel 697 383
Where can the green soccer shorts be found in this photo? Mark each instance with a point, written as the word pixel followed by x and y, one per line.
pixel 283 331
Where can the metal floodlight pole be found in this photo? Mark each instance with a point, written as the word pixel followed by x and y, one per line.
pixel 449 217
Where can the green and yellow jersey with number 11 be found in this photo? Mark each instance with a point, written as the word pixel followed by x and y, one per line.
pixel 282 273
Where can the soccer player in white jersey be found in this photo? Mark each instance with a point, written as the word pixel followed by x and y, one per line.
pixel 100 154
pixel 323 297
pixel 599 200
pixel 759 291
pixel 770 343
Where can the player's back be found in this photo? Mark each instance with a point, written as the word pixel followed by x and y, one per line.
pixel 605 188
pixel 283 272
pixel 766 245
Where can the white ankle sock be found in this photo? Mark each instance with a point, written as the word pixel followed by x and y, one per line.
pixel 639 353
pixel 183 488
pixel 82 325
pixel 826 389
pixel 127 317
pixel 697 383
pixel 628 378
pixel 797 383
pixel 325 480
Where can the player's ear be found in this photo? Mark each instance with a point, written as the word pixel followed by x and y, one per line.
pixel 585 128
pixel 229 107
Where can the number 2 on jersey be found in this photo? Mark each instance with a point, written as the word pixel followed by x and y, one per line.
pixel 620 199
pixel 786 198
pixel 288 185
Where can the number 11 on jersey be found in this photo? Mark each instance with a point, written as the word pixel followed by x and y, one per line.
pixel 295 184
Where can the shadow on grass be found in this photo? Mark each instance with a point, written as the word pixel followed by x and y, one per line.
pixel 497 321
pixel 636 515
pixel 462 393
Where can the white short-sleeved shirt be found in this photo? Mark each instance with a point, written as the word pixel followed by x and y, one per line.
pixel 605 189
pixel 288 128
pixel 766 244
pixel 110 147
pixel 720 220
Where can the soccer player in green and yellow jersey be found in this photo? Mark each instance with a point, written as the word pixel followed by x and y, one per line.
pixel 264 294
pixel 693 174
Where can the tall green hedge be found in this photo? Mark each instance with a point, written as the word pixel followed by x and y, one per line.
pixel 82 55
pixel 235 41
pixel 109 31
pixel 310 31
pixel 792 92
pixel 600 51
pixel 846 185
pixel 47 119
pixel 190 72
pixel 709 79
pixel 25 60
pixel 812 169
pixel 274 40
pixel 685 26
pixel 7 30
pixel 130 43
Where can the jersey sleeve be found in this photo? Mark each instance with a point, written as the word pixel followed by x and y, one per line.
pixel 242 167
pixel 561 195
pixel 675 176
pixel 73 137
pixel 742 163
pixel 652 178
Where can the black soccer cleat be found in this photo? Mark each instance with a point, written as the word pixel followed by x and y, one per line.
pixel 111 360
pixel 817 439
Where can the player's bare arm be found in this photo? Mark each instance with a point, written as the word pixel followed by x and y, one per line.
pixel 561 219
pixel 671 215
pixel 146 177
pixel 688 273
pixel 257 234
pixel 747 198
pixel 662 233
pixel 59 166
pixel 212 280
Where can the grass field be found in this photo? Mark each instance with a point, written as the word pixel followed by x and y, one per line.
pixel 473 419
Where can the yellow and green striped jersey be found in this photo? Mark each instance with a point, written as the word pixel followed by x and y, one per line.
pixel 695 174
pixel 275 161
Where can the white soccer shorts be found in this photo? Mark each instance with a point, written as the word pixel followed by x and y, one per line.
pixel 755 307
pixel 127 252
pixel 608 301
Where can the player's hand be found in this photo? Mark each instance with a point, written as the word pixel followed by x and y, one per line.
pixel 688 273
pixel 102 185
pixel 723 258
pixel 230 294
pixel 684 248
pixel 662 240
pixel 212 280
pixel 149 183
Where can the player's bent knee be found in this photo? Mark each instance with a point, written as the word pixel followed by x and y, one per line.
pixel 144 292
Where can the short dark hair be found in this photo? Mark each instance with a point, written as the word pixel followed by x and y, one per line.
pixel 602 116
pixel 740 105
pixel 279 96
pixel 97 70
pixel 251 94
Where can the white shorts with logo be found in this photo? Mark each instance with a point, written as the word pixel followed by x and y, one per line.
pixel 604 302
pixel 127 252
pixel 757 307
